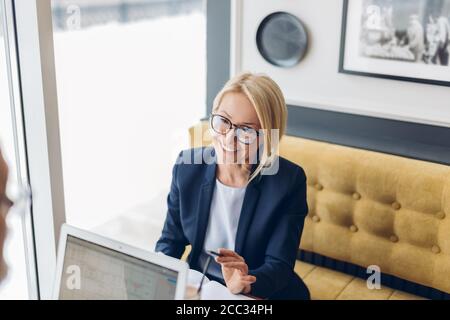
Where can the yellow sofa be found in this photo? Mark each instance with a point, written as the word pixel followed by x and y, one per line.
pixel 369 209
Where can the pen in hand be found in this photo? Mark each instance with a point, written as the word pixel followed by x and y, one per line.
pixel 214 253
pixel 205 268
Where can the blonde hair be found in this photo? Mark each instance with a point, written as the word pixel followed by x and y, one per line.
pixel 268 100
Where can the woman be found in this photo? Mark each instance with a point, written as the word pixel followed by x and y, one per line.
pixel 241 199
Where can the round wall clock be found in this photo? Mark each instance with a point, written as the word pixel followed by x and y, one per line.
pixel 282 39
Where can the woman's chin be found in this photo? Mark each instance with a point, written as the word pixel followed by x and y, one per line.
pixel 230 157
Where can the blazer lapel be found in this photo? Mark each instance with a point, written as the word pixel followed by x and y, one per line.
pixel 248 210
pixel 204 205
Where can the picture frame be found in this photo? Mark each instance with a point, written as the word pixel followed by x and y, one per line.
pixel 396 40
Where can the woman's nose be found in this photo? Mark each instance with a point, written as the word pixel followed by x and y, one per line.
pixel 230 137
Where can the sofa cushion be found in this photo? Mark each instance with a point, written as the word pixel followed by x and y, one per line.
pixel 368 208
pixel 323 283
pixel 327 284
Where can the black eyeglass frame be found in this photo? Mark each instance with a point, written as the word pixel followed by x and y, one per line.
pixel 234 126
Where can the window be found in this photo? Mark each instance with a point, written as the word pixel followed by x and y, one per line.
pixel 131 78
pixel 15 286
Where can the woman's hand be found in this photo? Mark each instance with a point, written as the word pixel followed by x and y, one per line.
pixel 235 272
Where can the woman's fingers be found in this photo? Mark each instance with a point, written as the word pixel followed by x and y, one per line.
pixel 236 265
pixel 239 279
pixel 229 253
pixel 248 278
pixel 247 283
pixel 227 259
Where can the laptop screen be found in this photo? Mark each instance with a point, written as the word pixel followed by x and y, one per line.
pixel 91 271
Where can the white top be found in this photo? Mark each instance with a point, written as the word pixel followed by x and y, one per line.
pixel 225 211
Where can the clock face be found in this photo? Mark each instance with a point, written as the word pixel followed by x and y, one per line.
pixel 282 39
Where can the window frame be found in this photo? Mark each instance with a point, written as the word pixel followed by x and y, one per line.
pixel 36 122
pixel 12 74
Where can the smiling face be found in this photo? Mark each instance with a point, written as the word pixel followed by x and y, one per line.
pixel 248 101
pixel 238 109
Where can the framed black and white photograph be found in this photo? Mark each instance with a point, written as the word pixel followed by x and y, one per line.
pixel 397 39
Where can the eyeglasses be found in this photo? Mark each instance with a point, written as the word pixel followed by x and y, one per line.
pixel 223 126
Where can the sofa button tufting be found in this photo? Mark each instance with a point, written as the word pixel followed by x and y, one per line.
pixel 396 206
pixel 356 196
pixel 319 187
pixel 316 218
pixel 353 228
pixel 435 249
pixel 394 238
pixel 440 215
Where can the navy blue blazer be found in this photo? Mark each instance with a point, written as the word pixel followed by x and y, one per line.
pixel 269 229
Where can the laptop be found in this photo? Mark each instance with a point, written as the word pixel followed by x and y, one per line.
pixel 92 267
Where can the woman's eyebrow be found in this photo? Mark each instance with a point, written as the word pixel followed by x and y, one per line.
pixel 242 123
pixel 247 124
pixel 227 114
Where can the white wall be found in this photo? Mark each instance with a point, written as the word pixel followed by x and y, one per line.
pixel 315 82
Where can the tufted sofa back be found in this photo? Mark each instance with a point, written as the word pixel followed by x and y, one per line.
pixel 369 208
